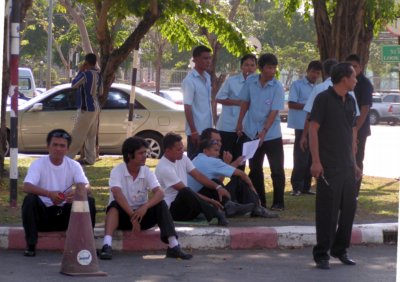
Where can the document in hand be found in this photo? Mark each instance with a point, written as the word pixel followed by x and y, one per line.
pixel 249 148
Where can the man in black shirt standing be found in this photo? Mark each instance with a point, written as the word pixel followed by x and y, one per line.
pixel 363 92
pixel 332 136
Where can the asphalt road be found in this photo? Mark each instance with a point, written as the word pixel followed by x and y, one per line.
pixel 374 264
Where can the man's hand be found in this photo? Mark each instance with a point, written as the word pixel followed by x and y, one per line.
pixel 261 136
pixel 238 161
pixel 139 213
pixel 303 143
pixel 55 197
pixel 195 138
pixel 316 170
pixel 69 196
pixel 358 172
pixel 216 204
pixel 227 157
pixel 239 130
pixel 222 192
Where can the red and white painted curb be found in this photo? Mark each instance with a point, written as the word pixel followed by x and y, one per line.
pixel 203 237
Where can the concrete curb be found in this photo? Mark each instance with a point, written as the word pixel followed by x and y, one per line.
pixel 204 237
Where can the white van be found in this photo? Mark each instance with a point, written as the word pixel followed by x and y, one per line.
pixel 26 82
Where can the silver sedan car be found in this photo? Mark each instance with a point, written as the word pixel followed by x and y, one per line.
pixel 154 116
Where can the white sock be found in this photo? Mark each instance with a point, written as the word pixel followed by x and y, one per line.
pixel 172 242
pixel 107 240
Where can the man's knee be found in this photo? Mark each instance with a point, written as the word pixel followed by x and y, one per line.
pixel 30 201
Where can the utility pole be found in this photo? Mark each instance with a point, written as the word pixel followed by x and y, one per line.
pixel 13 92
pixel 49 44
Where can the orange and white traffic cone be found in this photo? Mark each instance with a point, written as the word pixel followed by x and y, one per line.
pixel 80 257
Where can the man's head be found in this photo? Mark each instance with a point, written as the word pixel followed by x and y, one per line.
pixel 173 146
pixel 267 64
pixel 314 70
pixel 210 147
pixel 327 66
pixel 345 75
pixel 355 61
pixel 248 64
pixel 135 149
pixel 202 58
pixel 211 134
pixel 90 59
pixel 58 142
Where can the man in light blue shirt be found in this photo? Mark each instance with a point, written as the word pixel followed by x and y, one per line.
pixel 300 90
pixel 228 96
pixel 262 97
pixel 196 89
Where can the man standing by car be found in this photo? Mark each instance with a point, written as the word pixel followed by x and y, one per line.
pixel 363 92
pixel 196 89
pixel 299 92
pixel 332 134
pixel 48 183
pixel 89 88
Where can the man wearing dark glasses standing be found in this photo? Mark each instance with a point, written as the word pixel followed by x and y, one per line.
pixel 48 183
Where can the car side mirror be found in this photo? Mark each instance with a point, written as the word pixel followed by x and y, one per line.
pixel 36 107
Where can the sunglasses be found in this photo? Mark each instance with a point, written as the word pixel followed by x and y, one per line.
pixel 61 135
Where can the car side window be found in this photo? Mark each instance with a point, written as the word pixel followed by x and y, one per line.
pixel 389 98
pixel 119 100
pixel 61 101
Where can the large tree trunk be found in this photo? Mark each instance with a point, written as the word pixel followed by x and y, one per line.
pixel 349 31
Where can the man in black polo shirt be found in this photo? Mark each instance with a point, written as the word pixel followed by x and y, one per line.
pixel 363 92
pixel 332 136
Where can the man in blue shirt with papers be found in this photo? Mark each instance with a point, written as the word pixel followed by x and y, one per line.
pixel 262 97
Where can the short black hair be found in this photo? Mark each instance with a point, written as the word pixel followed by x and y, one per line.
pixel 314 65
pixel 170 139
pixel 206 134
pixel 343 69
pixel 91 59
pixel 246 57
pixel 59 133
pixel 327 66
pixel 131 145
pixel 267 59
pixel 353 58
pixel 197 51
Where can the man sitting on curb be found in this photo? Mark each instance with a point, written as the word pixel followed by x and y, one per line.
pixel 49 181
pixel 240 187
pixel 129 207
pixel 185 204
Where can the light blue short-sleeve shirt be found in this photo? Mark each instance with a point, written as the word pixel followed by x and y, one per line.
pixel 299 92
pixel 197 93
pixel 322 87
pixel 211 167
pixel 262 100
pixel 230 90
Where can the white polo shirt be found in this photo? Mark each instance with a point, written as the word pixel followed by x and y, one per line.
pixel 135 191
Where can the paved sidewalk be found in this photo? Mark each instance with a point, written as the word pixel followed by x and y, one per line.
pixel 205 237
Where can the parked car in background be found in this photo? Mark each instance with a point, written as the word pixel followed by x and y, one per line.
pixel 26 82
pixel 153 118
pixel 173 94
pixel 381 110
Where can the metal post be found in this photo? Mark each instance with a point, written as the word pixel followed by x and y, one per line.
pixel 13 92
pixel 49 44
pixel 129 128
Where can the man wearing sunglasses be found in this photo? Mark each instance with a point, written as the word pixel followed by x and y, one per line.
pixel 48 183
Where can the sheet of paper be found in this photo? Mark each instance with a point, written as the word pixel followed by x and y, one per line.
pixel 249 148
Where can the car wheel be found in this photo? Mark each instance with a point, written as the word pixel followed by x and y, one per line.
pixel 156 149
pixel 373 118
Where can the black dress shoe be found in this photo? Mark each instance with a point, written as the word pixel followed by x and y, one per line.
pixel 30 251
pixel 345 259
pixel 322 264
pixel 176 252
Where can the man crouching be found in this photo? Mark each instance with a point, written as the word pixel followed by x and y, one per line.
pixel 129 207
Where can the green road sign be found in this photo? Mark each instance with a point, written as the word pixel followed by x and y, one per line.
pixel 391 53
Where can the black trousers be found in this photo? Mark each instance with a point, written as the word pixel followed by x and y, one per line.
pixel 37 217
pixel 273 149
pixel 241 192
pixel 156 215
pixel 192 149
pixel 301 176
pixel 362 140
pixel 188 205
pixel 334 212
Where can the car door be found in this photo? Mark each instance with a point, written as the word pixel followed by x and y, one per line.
pixel 114 120
pixel 58 111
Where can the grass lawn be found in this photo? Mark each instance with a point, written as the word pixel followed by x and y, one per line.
pixel 378 201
